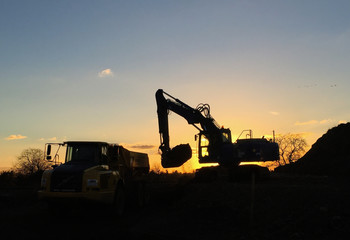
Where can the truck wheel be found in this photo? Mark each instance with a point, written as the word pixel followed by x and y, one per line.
pixel 147 196
pixel 143 195
pixel 140 195
pixel 119 201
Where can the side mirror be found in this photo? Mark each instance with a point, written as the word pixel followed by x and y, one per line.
pixel 48 152
pixel 195 137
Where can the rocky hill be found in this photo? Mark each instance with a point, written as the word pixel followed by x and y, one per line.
pixel 329 155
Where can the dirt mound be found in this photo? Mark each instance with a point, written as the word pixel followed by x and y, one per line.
pixel 329 155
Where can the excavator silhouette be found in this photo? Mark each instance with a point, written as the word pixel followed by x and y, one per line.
pixel 214 142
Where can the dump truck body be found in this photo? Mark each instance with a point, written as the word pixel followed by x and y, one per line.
pixel 94 171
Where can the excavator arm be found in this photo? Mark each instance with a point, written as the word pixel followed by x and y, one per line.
pixel 180 154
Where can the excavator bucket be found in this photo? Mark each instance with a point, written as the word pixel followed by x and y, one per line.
pixel 177 156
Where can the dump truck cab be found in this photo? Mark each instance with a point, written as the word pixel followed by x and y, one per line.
pixel 94 171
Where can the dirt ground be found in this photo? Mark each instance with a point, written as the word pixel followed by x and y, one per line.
pixel 281 207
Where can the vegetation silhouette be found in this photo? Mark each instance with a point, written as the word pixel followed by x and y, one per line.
pixel 31 161
pixel 329 155
pixel 292 146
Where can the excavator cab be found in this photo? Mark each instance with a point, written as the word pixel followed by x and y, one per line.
pixel 210 145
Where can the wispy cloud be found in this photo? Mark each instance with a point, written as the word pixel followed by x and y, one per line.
pixel 311 122
pixel 50 139
pixel 106 73
pixel 274 113
pixel 325 121
pixel 314 122
pixel 142 146
pixel 15 137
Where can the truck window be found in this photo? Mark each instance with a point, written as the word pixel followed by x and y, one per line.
pixel 104 155
pixel 82 153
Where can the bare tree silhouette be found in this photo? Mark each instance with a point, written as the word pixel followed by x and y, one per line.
pixel 292 147
pixel 31 161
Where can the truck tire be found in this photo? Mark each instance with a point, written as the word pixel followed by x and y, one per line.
pixel 140 195
pixel 143 195
pixel 119 200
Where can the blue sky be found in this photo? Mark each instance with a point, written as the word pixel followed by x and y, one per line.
pixel 88 70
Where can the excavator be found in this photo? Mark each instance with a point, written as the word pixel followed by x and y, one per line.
pixel 214 142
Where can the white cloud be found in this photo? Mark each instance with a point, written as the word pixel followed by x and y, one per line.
pixel 106 73
pixel 274 113
pixel 15 137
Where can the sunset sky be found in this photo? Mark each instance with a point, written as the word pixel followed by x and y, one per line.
pixel 88 70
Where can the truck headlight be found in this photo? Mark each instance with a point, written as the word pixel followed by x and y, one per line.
pixel 92 182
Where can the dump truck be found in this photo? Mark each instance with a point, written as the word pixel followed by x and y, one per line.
pixel 97 172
